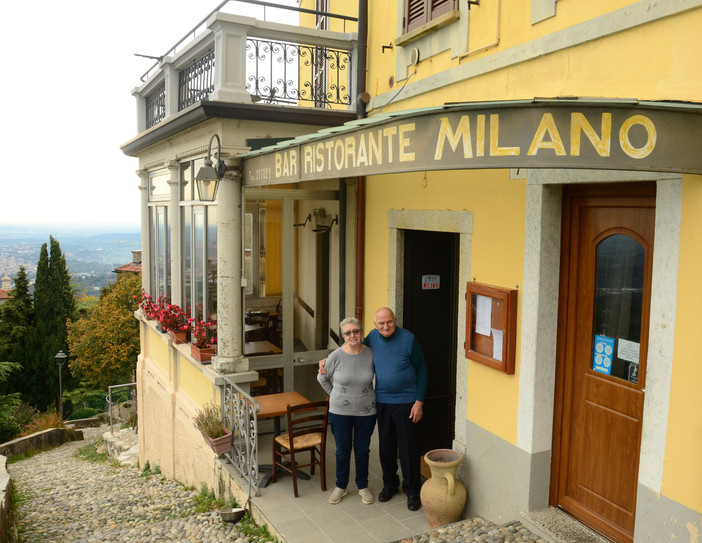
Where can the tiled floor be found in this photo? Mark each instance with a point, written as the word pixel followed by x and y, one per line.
pixel 311 519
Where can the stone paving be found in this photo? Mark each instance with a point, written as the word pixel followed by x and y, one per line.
pixel 67 499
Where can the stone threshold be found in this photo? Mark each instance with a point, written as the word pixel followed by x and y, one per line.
pixel 557 527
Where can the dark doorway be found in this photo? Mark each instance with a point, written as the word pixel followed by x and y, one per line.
pixel 430 307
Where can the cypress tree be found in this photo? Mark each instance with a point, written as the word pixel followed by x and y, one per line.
pixel 53 306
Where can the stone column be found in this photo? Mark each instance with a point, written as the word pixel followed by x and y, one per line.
pixel 230 68
pixel 174 230
pixel 230 358
pixel 171 86
pixel 145 231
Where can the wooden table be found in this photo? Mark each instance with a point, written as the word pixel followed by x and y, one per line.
pixel 275 406
pixel 260 347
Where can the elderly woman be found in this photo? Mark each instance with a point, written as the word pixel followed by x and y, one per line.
pixel 349 383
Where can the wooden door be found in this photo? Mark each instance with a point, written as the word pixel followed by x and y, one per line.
pixel 606 261
pixel 430 296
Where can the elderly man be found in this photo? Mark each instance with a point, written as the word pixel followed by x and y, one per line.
pixel 401 381
pixel 400 385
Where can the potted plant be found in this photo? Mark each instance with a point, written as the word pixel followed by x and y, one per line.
pixel 169 316
pixel 208 421
pixel 147 305
pixel 203 339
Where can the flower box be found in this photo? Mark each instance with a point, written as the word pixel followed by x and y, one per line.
pixel 179 336
pixel 203 354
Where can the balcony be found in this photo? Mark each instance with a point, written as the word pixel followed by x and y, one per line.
pixel 236 59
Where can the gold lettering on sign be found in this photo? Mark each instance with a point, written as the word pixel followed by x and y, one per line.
pixel 602 144
pixel 446 133
pixel 376 148
pixel 405 155
pixel 547 126
pixel 389 133
pixel 480 136
pixel 625 143
pixel 495 149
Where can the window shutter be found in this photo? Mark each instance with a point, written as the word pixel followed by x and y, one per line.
pixel 415 14
pixel 439 7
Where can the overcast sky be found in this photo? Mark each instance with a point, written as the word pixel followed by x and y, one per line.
pixel 68 69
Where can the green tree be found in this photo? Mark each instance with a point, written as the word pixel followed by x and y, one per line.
pixel 9 403
pixel 105 345
pixel 16 317
pixel 53 306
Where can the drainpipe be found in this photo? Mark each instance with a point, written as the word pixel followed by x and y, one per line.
pixel 361 102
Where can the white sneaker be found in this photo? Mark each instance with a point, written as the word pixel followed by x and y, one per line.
pixel 366 496
pixel 337 495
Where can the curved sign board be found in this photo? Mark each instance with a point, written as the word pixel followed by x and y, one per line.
pixel 611 136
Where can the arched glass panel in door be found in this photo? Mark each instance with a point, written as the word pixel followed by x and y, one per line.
pixel 619 287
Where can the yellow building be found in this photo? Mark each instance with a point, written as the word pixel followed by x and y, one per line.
pixel 523 190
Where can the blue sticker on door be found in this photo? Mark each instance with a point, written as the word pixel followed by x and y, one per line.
pixel 602 354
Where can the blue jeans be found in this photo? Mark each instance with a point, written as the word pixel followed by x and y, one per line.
pixel 352 432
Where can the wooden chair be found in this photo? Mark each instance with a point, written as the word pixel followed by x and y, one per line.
pixel 307 431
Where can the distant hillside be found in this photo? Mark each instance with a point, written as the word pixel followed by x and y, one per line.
pixel 91 252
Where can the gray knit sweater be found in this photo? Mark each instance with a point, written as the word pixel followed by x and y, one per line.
pixel 349 382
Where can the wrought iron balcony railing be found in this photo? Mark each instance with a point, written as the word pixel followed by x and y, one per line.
pixel 285 73
pixel 242 60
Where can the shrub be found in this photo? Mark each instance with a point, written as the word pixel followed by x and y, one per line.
pixel 43 422
pixel 83 413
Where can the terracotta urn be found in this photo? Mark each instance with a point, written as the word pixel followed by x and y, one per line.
pixel 442 496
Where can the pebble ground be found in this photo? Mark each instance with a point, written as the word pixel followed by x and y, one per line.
pixel 64 499
pixel 71 500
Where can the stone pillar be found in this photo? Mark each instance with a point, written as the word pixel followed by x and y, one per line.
pixel 174 230
pixel 140 110
pixel 171 86
pixel 230 67
pixel 230 358
pixel 145 231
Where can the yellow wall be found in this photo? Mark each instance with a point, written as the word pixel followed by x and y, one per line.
pixel 192 383
pixel 497 250
pixel 274 247
pixel 682 475
pixel 656 61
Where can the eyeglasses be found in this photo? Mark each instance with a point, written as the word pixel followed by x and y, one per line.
pixel 351 332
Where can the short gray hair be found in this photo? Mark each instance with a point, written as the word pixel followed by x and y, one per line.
pixel 350 320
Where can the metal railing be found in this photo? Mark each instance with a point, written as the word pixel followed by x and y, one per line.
pixel 110 402
pixel 196 81
pixel 283 72
pixel 240 417
pixel 156 106
pixel 200 27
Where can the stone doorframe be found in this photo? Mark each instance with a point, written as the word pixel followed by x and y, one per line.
pixel 458 222
pixel 540 318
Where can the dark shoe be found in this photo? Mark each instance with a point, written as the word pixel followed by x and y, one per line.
pixel 386 494
pixel 413 503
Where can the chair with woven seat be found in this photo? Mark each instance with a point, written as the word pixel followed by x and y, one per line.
pixel 307 432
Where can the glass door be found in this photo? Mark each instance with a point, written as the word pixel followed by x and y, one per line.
pixel 291 266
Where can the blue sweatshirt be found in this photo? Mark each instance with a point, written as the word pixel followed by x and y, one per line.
pixel 400 371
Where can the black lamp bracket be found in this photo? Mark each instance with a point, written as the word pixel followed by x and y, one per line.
pixel 473 3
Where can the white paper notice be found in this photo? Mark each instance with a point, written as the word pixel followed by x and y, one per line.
pixel 628 350
pixel 483 315
pixel 497 344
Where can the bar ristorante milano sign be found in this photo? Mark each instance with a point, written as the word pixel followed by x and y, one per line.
pixel 619 136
